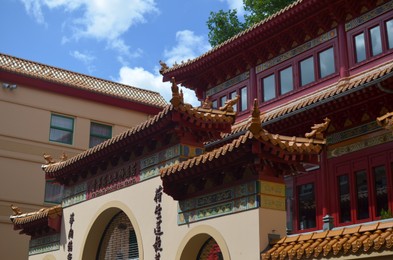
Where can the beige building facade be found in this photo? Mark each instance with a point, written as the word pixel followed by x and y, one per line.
pixel 32 97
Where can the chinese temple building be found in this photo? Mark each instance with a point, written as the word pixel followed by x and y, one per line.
pixel 290 155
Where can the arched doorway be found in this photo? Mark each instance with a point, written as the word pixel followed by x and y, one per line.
pixel 113 224
pixel 210 251
pixel 203 243
pixel 119 240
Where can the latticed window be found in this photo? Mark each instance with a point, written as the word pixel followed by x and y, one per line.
pixel 119 240
pixel 210 251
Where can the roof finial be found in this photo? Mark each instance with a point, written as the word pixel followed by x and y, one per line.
pixel 207 104
pixel 256 123
pixel 176 97
pixel 386 121
pixel 317 130
pixel 48 159
pixel 228 107
pixel 16 210
pixel 164 67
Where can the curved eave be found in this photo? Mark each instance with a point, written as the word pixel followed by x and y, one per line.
pixel 244 40
pixel 46 218
pixel 349 242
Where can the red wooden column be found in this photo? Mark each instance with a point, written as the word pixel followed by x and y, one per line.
pixel 326 192
pixel 253 89
pixel 343 51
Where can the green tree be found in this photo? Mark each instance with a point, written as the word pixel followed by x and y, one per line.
pixel 223 25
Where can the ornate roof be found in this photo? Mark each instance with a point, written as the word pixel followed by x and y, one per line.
pixel 72 79
pixel 339 242
pixel 41 219
pixel 216 51
pixel 279 146
pixel 207 123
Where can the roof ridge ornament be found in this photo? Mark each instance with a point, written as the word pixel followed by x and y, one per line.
pixel 163 68
pixel 317 130
pixel 177 98
pixel 207 104
pixel 256 123
pixel 228 106
pixel 386 121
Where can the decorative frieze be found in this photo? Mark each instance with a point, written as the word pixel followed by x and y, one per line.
pixel 369 15
pixel 44 244
pixel 272 195
pixel 369 142
pixel 351 133
pixel 74 194
pixel 296 51
pixel 240 198
pixel 227 84
pixel 113 180
pixel 127 174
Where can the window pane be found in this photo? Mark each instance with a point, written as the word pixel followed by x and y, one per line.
pixel 269 88
pixel 286 80
pixel 214 104
pixel 307 71
pixel 376 43
pixel 243 99
pixel 101 130
pixel 344 199
pixel 381 193
pixel 362 195
pixel 223 99
pixel 62 122
pixel 326 63
pixel 99 133
pixel 360 48
pixel 232 96
pixel 389 32
pixel 307 210
pixel 60 136
pixel 61 129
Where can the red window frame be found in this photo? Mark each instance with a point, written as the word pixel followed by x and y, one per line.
pixel 227 93
pixel 311 177
pixel 365 29
pixel 295 64
pixel 350 164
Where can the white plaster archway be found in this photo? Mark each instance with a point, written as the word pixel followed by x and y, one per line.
pixel 98 224
pixel 194 240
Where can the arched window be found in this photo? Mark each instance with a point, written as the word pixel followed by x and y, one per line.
pixel 119 240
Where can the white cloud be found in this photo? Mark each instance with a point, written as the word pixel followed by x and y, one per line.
pixel 235 4
pixel 139 77
pixel 188 46
pixel 100 19
pixel 87 58
pixel 34 8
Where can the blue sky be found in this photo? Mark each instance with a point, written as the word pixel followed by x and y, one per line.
pixel 117 40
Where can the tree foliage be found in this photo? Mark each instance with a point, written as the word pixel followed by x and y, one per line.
pixel 223 25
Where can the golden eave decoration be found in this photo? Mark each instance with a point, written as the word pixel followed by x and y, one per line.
pixel 386 121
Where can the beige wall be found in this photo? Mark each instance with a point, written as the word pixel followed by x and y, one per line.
pixel 24 136
pixel 238 235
